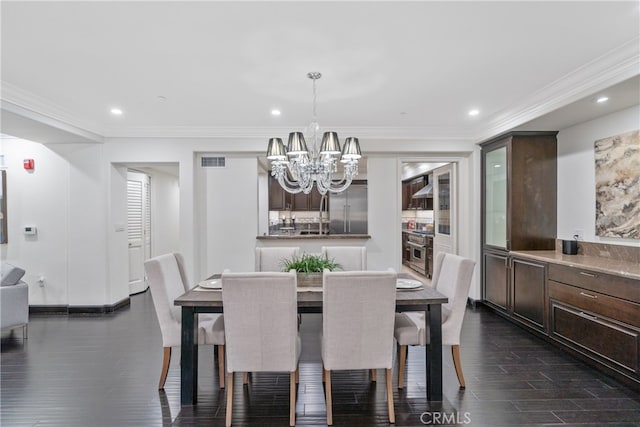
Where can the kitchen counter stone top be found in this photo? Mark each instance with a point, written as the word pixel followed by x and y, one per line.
pixel 314 237
pixel 594 263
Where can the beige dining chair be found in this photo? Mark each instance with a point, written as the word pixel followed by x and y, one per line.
pixel 166 284
pixel 357 326
pixel 350 258
pixel 451 277
pixel 271 258
pixel 261 328
pixel 217 319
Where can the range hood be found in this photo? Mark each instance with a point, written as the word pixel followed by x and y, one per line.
pixel 425 192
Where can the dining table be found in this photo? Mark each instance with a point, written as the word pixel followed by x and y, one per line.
pixel 202 300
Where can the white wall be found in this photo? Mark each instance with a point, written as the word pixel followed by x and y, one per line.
pixel 576 173
pixel 230 198
pixel 87 248
pixel 165 213
pixel 39 198
pixel 118 264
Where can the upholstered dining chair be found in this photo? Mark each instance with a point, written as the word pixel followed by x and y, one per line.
pixel 217 319
pixel 357 326
pixel 270 258
pixel 166 284
pixel 350 258
pixel 452 277
pixel 261 328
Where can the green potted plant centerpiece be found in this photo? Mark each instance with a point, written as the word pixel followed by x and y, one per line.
pixel 309 267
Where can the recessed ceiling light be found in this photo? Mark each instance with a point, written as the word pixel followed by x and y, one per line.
pixel 602 99
pixel 275 112
pixel 116 111
pixel 474 112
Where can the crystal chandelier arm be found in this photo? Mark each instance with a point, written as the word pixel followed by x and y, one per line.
pixel 335 187
pixel 289 186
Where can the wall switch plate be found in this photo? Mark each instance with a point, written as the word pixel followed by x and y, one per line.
pixel 578 234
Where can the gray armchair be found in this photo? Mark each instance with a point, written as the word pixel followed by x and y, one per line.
pixel 14 299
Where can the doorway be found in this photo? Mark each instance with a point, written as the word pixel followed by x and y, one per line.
pixel 428 221
pixel 138 228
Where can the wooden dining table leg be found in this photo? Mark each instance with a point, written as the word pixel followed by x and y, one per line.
pixel 433 354
pixel 188 358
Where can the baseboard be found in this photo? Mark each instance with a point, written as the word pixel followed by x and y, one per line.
pixel 79 309
pixel 473 303
pixel 48 309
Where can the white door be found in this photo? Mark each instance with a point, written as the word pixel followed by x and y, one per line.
pixel 138 229
pixel 444 210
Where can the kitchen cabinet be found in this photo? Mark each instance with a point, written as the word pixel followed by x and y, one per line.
pixel 412 186
pixel 279 199
pixel 406 195
pixel 528 292
pixel 597 315
pixel 519 211
pixel 406 249
pixel 495 279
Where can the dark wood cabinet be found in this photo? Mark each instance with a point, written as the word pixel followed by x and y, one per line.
pixel 597 315
pixel 280 200
pixel 519 191
pixel 412 186
pixel 519 209
pixel 406 195
pixel 406 249
pixel 496 279
pixel 528 292
pixel 596 336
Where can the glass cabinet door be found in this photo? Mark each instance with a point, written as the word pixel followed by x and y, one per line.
pixel 495 215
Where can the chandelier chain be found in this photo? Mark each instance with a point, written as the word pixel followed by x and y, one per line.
pixel 306 167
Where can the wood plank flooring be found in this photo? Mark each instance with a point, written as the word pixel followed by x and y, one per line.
pixel 103 371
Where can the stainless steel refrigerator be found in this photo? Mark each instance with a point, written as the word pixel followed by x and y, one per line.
pixel 348 210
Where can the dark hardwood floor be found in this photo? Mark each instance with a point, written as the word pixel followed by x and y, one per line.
pixel 103 371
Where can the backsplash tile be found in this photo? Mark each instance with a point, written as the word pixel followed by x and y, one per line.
pixel 604 250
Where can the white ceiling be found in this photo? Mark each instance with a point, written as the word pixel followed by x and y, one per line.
pixel 391 70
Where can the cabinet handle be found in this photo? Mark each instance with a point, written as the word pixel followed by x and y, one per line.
pixel 588 274
pixel 588 316
pixel 588 295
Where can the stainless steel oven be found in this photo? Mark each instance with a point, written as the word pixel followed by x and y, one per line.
pixel 418 259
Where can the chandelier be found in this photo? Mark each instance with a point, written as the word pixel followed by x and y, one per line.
pixel 316 166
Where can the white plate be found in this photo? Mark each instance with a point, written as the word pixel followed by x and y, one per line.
pixel 211 284
pixel 407 284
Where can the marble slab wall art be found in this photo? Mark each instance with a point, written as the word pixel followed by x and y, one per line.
pixel 618 186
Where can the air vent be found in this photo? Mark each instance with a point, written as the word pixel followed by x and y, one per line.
pixel 212 162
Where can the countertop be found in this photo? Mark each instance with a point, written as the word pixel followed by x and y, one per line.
pixel 593 263
pixel 315 237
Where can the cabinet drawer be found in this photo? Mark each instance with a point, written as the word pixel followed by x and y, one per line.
pixel 600 336
pixel 595 302
pixel 617 286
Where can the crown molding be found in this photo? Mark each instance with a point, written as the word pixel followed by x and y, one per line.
pixel 38 109
pixel 611 68
pixel 55 130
